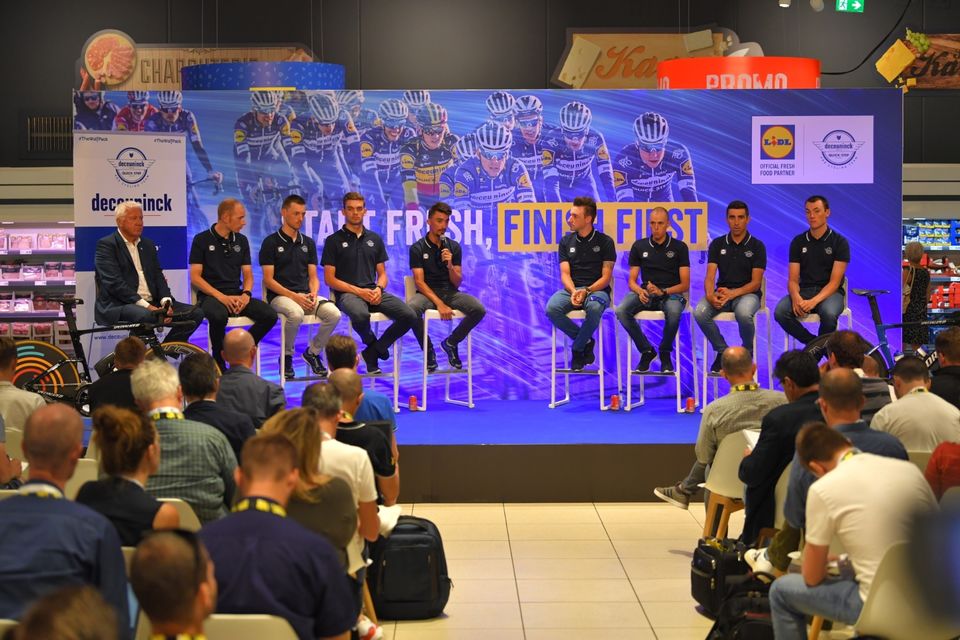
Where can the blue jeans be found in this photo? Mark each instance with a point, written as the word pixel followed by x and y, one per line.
pixel 828 310
pixel 672 307
pixel 744 309
pixel 559 306
pixel 791 601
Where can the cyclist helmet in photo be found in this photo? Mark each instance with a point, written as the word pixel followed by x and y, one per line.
pixel 265 101
pixel 528 105
pixel 350 98
pixel 393 112
pixel 432 115
pixel 494 138
pixel 575 117
pixel 324 108
pixel 466 147
pixel 501 104
pixel 651 129
pixel 138 97
pixel 416 97
pixel 169 99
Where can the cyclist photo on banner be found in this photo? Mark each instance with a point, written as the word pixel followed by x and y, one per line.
pixel 647 170
pixel 92 111
pixel 581 157
pixel 424 159
pixel 134 116
pixel 529 143
pixel 381 177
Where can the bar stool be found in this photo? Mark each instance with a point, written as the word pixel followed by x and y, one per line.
pixel 375 319
pixel 580 314
pixel 660 316
pixel 308 319
pixel 232 323
pixel 728 316
pixel 814 318
pixel 410 288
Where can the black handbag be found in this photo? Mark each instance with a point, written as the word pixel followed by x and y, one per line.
pixel 714 561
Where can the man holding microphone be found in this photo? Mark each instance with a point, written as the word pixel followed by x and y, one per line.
pixel 436 264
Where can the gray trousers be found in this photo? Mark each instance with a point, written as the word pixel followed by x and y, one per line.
pixel 472 308
pixel 292 316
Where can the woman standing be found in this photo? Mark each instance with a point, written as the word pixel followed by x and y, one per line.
pixel 916 293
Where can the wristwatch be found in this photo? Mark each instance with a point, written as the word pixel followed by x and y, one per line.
pixel 246 293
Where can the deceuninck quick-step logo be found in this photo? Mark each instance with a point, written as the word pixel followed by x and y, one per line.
pixel 838 148
pixel 131 165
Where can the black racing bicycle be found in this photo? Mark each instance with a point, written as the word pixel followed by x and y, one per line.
pixel 881 351
pixel 47 370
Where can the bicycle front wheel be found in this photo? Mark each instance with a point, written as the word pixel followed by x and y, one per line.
pixel 35 366
pixel 818 349
pixel 173 352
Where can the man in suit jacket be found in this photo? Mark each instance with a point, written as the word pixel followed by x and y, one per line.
pixel 760 470
pixel 130 282
pixel 114 388
pixel 200 381
pixel 240 388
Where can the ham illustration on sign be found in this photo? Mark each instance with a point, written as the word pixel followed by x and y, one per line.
pixel 109 56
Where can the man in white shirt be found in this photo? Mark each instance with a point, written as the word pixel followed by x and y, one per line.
pixel 864 501
pixel 131 286
pixel 16 405
pixel 920 419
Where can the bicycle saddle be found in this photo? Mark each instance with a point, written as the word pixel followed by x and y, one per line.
pixel 868 292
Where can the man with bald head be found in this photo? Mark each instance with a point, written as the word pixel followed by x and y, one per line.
pixel 131 286
pixel 50 542
pixel 374 437
pixel 173 578
pixel 659 281
pixel 240 388
pixel 743 408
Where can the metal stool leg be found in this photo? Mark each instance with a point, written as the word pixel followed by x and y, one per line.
pixel 426 341
pixel 603 407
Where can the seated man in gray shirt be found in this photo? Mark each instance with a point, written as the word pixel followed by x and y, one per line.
pixel 240 388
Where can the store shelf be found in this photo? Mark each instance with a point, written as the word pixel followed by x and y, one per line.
pixel 957 310
pixel 16 253
pixel 31 316
pixel 38 284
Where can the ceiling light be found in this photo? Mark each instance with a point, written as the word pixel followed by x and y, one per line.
pixel 816 5
pixel 785 3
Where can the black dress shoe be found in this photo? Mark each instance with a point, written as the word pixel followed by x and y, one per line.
pixel 666 362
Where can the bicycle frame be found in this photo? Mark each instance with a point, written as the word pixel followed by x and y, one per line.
pixel 883 344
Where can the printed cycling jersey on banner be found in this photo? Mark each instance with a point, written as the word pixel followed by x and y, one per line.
pixel 586 171
pixel 473 188
pixel 531 154
pixel 366 120
pixel 321 157
pixel 636 181
pixel 253 141
pixel 100 119
pixel 380 165
pixel 185 122
pixel 126 122
pixel 422 169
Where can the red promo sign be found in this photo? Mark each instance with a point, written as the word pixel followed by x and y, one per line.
pixel 739 73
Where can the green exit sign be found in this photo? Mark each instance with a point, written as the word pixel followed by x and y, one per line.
pixel 850 6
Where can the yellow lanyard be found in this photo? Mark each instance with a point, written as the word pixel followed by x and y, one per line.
pixel 166 415
pixel 179 636
pixel 37 490
pixel 750 386
pixel 260 504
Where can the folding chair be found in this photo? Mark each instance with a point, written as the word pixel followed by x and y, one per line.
pixel 229 626
pixel 724 485
pixel 87 470
pixel 232 323
pixel 676 375
pixel 188 517
pixel 410 288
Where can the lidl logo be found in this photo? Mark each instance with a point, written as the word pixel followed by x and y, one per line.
pixel 777 142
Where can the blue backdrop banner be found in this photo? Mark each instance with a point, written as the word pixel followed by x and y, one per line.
pixel 769 148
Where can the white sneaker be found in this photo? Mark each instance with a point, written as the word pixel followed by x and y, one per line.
pixel 367 630
pixel 758 560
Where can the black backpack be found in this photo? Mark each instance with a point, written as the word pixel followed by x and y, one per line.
pixel 715 560
pixel 745 612
pixel 408 577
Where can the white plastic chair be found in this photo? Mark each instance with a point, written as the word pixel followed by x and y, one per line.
pixel 920 458
pixel 814 318
pixel 87 470
pixel 409 289
pixel 780 495
pixel 232 323
pixel 188 518
pixel 950 497
pixel 677 373
pixel 228 626
pixel 378 318
pixel 895 609
pixel 308 320
pixel 92 452
pixel 14 443
pixel 729 316
pixel 724 484
pixel 580 314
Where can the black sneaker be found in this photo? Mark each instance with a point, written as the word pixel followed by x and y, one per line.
pixel 579 361
pixel 646 357
pixel 666 362
pixel 370 359
pixel 313 359
pixel 588 351
pixel 717 365
pixel 432 360
pixel 288 371
pixel 453 354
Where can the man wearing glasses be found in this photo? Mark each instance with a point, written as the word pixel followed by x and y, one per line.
pixel 325 149
pixel 221 272
pixel 424 160
pixel 581 157
pixel 529 146
pixel 380 156
pixel 436 264
pixel 134 116
pixel 646 170
pixel 92 111
pixel 261 144
pixel 172 117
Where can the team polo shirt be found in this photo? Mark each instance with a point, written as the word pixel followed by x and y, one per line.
pixel 355 257
pixel 660 263
pixel 736 260
pixel 290 258
pixel 586 256
pixel 222 258
pixel 816 257
pixel 426 255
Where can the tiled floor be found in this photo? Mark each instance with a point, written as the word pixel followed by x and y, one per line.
pixel 565 571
